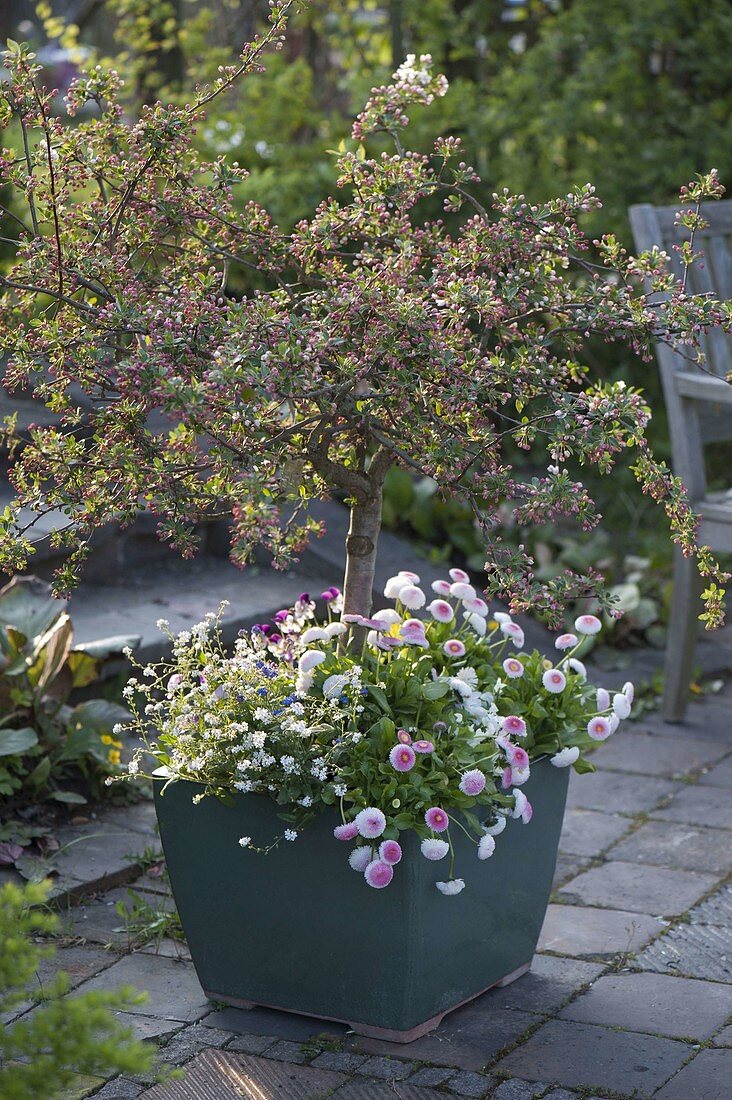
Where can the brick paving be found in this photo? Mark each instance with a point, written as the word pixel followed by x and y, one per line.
pixel 630 994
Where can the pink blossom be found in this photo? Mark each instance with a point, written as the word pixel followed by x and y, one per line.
pixel 175 681
pixel 621 705
pixel 477 622
pixel 473 782
pixel 423 746
pixel 506 778
pixel 412 632
pixel 413 578
pixel 513 668
pixel 390 851
pixel 454 886
pixel 498 825
pixel 441 610
pixel 476 606
pixel 361 620
pixel 599 728
pixel 453 647
pixel 514 725
pixel 432 848
pixel 403 737
pixel 462 591
pixel 522 807
pixel 513 631
pixel 310 659
pixel 629 691
pixel 566 641
pixel 460 576
pixel 441 588
pixel 379 874
pixel 603 699
pixel 387 615
pixel 517 757
pixel 402 758
pixel 370 822
pixel 437 819
pixel 577 667
pixel 519 775
pixel 346 832
pixel 554 680
pixel 412 597
pixel 486 846
pixel 587 624
pixel 360 858
pixel 565 757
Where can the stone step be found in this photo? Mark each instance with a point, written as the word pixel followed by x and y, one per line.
pixel 182 592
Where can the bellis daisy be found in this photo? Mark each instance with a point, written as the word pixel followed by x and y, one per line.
pixel 379 874
pixel 587 624
pixel 454 886
pixel 437 819
pixel 370 822
pixel 433 848
pixel 402 758
pixel 554 681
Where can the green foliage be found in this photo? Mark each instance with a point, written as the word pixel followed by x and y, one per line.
pixel 42 1052
pixel 46 742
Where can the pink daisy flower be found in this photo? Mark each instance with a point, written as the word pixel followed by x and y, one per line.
pixel 453 647
pixel 554 680
pixel 565 757
pixel 382 641
pixel 360 858
pixel 477 606
pixel 346 832
pixel 311 659
pixel 387 615
pixel 460 576
pixel 522 807
pixel 370 822
pixel 441 588
pixel 461 590
pixel 412 597
pixel 498 825
pixel 519 775
pixel 566 641
pixel 441 610
pixel 629 691
pixel 486 846
pixel 603 699
pixel 437 819
pixel 361 620
pixel 402 758
pixel 587 624
pixel 477 622
pixel 432 848
pixel 599 728
pixel 513 631
pixel 403 737
pixel 472 783
pixel 506 778
pixel 577 667
pixel 378 874
pixel 518 757
pixel 423 746
pixel 514 725
pixel 413 578
pixel 390 852
pixel 513 668
pixel 454 886
pixel 621 705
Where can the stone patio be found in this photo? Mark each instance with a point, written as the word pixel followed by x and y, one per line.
pixel 630 994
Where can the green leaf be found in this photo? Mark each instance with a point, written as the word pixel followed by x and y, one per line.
pixel 26 605
pixel 70 797
pixel 15 742
pixel 379 697
pixel 583 765
pixel 98 714
pixel 108 647
pixel 435 689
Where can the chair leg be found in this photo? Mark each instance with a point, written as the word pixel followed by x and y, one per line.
pixel 681 641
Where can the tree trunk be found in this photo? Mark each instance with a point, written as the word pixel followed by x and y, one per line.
pixel 363 535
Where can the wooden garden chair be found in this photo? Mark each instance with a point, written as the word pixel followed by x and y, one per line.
pixel 699 407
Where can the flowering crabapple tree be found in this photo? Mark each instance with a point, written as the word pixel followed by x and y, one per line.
pixel 379 336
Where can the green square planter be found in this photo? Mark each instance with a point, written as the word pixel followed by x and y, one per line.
pixel 298 930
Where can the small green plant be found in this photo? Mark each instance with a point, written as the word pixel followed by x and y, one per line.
pixel 149 918
pixel 43 1050
pixel 49 748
